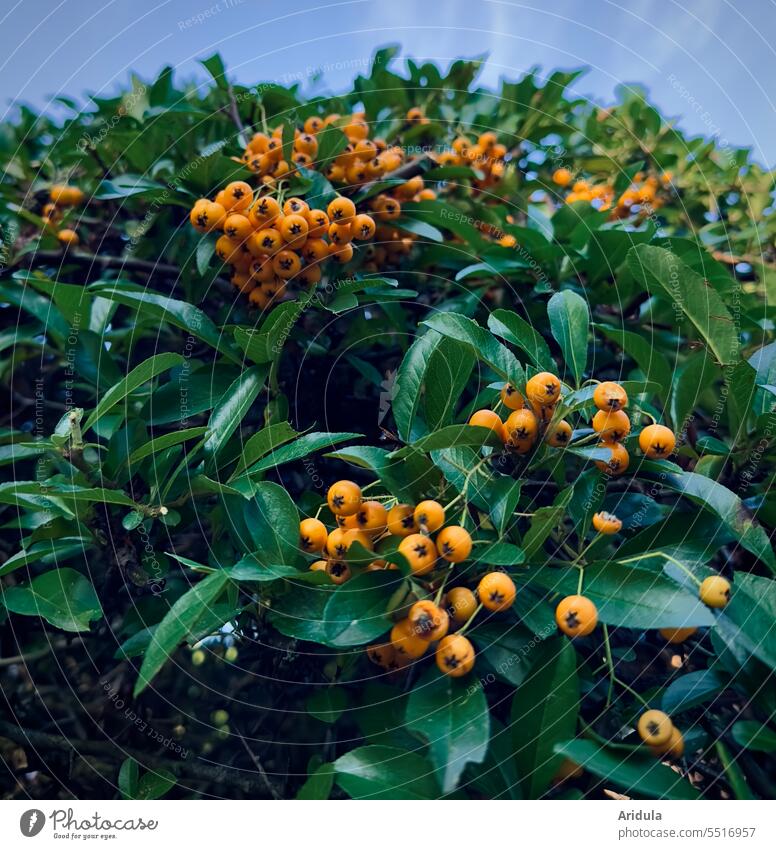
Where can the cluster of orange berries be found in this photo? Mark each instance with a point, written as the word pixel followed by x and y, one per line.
pixel 269 246
pixel 62 196
pixel 363 159
pixel 642 194
pixel 426 543
pixel 529 415
pixel 487 155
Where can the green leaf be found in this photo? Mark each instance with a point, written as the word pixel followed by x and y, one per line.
pixel 230 411
pixel 663 273
pixel 630 596
pixel 647 356
pixel 63 597
pixel 449 368
pixel 569 321
pixel 410 380
pixel 694 688
pixel 691 379
pixel 302 447
pixel 327 703
pixel 128 778
pixel 751 735
pixel 356 612
pixel 154 785
pixel 266 344
pixel 385 772
pixel 178 313
pixel 632 772
pixel 75 494
pixel 747 620
pixel 273 523
pixel 499 554
pixel 453 721
pixel 453 436
pixel 517 331
pixel 318 784
pixel 505 494
pixel 545 519
pixel 730 509
pixel 178 622
pixel 298 613
pixel 419 228
pixel 139 375
pixel 483 344
pixel 46 551
pixel 161 443
pixel 544 712
pixel 262 442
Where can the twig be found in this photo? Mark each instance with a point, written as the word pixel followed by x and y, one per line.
pixel 105 749
pixel 127 263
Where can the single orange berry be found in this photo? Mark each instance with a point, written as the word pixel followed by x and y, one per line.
pixel 576 616
pixel 496 591
pixel 401 520
pixel 344 498
pixel 543 388
pixel 312 534
pixel 657 441
pixel 606 523
pixel 454 543
pixel 430 516
pixel 455 656
pixel 610 396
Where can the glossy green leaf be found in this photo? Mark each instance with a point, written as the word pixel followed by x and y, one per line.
pixel 63 597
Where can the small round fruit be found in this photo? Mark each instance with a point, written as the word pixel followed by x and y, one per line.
pixel 715 591
pixel 293 228
pixel 677 635
pixel 341 210
pixel 607 523
pixel 576 616
pixel 338 571
pixel 420 553
pixel 657 441
pixel 559 435
pixel 430 516
pixel 286 264
pixel 461 604
pixel 610 396
pixel 655 727
pixel 401 520
pixel 543 388
pixel 371 518
pixel 613 425
pixel 455 656
pixel 382 654
pixel 561 177
pixel 454 543
pixel 238 196
pixel 67 237
pixel 496 591
pixel 344 498
pixel 618 460
pixel 521 426
pixel 319 566
pixel 488 419
pixel 312 534
pixel 511 398
pixel 429 621
pixel 406 642
pixel 673 748
pixel 363 227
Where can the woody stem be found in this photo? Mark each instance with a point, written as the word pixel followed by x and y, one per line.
pixel 470 620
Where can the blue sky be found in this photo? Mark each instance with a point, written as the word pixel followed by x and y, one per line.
pixel 709 61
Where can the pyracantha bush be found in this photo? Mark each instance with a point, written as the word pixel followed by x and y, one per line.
pixel 412 442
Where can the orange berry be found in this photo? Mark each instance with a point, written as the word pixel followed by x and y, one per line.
pixel 461 604
pixel 613 425
pixel 295 206
pixel 293 228
pixel 511 398
pixel 68 237
pixel 559 435
pixel 488 419
pixel 496 591
pixel 401 520
pixel 610 396
pixel 521 426
pixel 318 223
pixel 363 227
pixel 576 616
pixel 606 523
pixel 420 552
pixel 344 498
pixel 286 264
pixel 341 210
pixel 429 621
pixel 454 543
pixel 264 212
pixel 338 571
pixel 430 516
pixel 657 441
pixel 406 642
pixel 677 635
pixel 618 461
pixel 371 518
pixel 238 196
pixel 237 227
pixel 455 656
pixel 543 388
pixel 312 534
